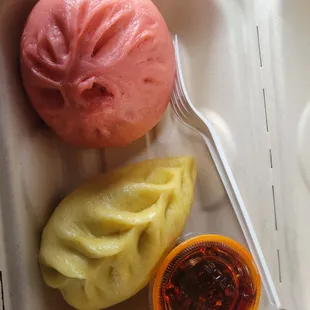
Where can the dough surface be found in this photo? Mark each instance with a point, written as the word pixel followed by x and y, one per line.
pixel 104 241
pixel 98 72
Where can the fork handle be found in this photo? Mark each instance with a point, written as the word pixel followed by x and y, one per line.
pixel 240 210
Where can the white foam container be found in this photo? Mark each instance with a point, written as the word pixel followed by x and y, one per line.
pixel 246 67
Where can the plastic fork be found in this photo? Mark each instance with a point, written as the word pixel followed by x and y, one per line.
pixel 192 118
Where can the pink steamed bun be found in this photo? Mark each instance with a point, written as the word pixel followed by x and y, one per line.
pixel 99 72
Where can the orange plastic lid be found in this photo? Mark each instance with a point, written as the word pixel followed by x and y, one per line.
pixel 207 272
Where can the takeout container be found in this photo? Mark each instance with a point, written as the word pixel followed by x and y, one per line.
pixel 246 65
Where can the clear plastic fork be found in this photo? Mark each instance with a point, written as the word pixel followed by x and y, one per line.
pixel 192 118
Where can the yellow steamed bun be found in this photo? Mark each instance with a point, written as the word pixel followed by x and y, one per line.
pixel 103 241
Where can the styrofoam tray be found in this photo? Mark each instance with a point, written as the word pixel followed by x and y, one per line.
pixel 224 44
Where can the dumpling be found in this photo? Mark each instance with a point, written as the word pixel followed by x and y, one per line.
pixel 99 73
pixel 104 241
